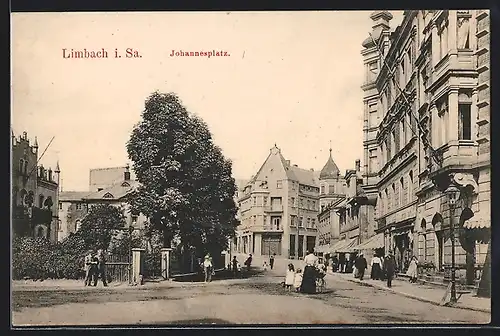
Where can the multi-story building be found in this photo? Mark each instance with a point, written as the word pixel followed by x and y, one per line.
pixel 332 191
pixel 278 197
pixel 356 212
pixel 75 205
pixel 35 192
pixel 426 96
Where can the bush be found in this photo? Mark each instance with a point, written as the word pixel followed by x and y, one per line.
pixel 39 259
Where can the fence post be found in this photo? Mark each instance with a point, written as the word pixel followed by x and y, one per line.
pixel 137 265
pixel 165 262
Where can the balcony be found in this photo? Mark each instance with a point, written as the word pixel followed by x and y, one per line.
pixel 273 209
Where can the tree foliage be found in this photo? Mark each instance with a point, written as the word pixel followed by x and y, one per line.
pixel 99 226
pixel 186 188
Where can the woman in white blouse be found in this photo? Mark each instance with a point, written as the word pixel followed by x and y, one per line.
pixel 309 278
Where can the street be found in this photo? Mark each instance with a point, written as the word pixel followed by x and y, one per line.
pixel 257 300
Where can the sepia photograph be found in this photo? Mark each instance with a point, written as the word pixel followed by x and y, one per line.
pixel 250 168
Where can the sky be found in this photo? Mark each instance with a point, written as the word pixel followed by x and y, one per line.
pixel 292 79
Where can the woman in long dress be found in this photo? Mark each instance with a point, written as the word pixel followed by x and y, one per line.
pixel 412 269
pixel 309 278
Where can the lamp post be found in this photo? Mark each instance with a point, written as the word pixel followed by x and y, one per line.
pixel 453 195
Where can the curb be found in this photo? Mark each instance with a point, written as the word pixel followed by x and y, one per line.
pixel 411 296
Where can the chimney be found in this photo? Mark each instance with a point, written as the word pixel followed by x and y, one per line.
pixel 127 173
pixel 358 165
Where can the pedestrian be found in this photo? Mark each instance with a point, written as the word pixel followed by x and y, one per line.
pixel 376 266
pixel 248 262
pixel 389 268
pixel 100 260
pixel 361 266
pixel 235 266
pixel 382 268
pixel 264 266
pixel 412 269
pixel 335 263
pixel 309 276
pixel 87 263
pixel 271 260
pixel 290 276
pixel 297 280
pixel 208 267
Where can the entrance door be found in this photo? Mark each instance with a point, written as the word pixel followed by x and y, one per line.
pixel 440 248
pixel 271 244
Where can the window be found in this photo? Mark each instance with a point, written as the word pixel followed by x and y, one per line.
pixel 402 128
pixel 276 223
pixel 301 202
pixel 463 33
pixel 301 222
pixel 308 204
pixel 331 189
pixel 292 201
pixel 464 130
pixel 395 136
pixel 78 206
pixel 322 190
pixel 401 191
pixel 25 169
pixel 313 223
pixel 265 200
pixel 21 166
pixel 41 199
pixel 308 222
pixel 279 184
pixel 410 186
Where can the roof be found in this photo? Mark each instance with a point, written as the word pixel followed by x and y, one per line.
pixel 241 183
pixel 72 195
pixel 115 192
pixel 330 170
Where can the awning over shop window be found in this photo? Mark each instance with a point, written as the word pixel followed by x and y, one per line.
pixel 477 223
pixel 374 242
pixel 337 245
pixel 347 246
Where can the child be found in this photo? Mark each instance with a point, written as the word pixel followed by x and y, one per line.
pixel 265 266
pixel 290 277
pixel 298 280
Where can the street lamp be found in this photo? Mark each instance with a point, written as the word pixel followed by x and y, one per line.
pixel 453 194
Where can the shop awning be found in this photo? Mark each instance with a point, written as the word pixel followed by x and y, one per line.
pixel 321 248
pixel 347 245
pixel 477 223
pixel 337 245
pixel 374 242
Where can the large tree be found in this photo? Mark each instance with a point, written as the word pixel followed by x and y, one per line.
pixel 100 225
pixel 186 188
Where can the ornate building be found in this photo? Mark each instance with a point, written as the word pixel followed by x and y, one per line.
pixel 269 205
pixel 35 192
pixel 426 96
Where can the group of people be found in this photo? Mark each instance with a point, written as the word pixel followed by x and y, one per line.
pixel 304 281
pixel 95 268
pixel 383 268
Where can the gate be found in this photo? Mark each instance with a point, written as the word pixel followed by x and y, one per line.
pixel 152 265
pixel 118 268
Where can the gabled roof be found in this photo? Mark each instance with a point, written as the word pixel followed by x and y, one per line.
pixel 72 195
pixel 115 192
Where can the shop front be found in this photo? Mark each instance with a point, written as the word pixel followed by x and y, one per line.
pixel 400 239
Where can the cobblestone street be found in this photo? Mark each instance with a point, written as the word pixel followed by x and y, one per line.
pixel 259 300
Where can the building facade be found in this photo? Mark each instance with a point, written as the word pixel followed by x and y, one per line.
pixel 35 192
pixel 332 191
pixel 279 200
pixel 75 205
pixel 426 127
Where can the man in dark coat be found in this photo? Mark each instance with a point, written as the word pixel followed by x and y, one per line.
pixel 389 268
pixel 101 268
pixel 361 266
pixel 271 260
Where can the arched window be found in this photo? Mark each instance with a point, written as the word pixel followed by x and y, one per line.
pixel 422 241
pixel 21 166
pixel 25 169
pixel 41 198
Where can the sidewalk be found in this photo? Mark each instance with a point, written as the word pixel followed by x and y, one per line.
pixel 423 293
